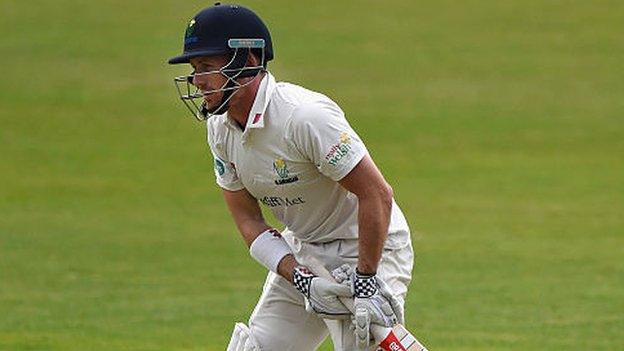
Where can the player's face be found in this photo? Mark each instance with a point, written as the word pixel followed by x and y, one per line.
pixel 209 82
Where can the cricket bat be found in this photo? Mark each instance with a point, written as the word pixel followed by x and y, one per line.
pixel 397 338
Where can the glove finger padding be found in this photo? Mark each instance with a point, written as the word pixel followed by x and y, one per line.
pixel 323 299
pixel 342 274
pixel 366 290
pixel 362 322
pixel 329 288
pixel 386 291
pixel 380 310
pixel 321 294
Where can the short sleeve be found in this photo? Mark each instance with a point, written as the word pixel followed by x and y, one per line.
pixel 320 131
pixel 225 171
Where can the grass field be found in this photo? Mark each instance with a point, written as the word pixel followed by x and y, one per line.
pixel 500 125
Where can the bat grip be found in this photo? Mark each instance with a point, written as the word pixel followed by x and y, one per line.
pixel 379 332
pixel 389 339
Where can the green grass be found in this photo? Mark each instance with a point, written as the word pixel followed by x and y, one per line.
pixel 500 125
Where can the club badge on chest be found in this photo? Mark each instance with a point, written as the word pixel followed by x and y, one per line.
pixel 283 173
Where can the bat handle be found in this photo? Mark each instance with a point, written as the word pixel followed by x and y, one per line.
pixel 378 332
pixel 389 339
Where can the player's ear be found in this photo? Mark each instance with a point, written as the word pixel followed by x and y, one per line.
pixel 252 59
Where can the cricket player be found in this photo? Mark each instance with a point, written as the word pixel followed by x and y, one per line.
pixel 292 150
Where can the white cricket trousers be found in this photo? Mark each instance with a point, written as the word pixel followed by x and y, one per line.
pixel 280 322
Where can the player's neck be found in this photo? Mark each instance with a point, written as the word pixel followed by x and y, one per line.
pixel 243 101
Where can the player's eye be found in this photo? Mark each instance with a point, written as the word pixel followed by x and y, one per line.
pixel 205 67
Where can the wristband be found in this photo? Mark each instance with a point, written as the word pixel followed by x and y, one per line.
pixel 269 248
pixel 364 285
pixel 302 279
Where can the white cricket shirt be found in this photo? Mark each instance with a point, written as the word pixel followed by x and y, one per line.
pixel 295 147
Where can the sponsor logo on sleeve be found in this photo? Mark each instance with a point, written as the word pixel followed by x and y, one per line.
pixel 283 174
pixel 339 150
pixel 219 167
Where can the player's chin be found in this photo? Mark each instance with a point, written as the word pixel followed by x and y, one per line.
pixel 212 99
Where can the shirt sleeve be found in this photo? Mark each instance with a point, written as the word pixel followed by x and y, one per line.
pixel 320 131
pixel 225 171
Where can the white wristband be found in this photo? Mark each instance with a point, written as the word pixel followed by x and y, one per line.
pixel 269 248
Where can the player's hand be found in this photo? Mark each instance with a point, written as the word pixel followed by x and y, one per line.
pixel 374 303
pixel 345 274
pixel 321 295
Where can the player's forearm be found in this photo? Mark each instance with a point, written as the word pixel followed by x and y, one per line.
pixel 251 227
pixel 286 267
pixel 373 220
pixel 246 214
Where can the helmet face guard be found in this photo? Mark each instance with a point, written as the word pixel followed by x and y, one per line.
pixel 193 97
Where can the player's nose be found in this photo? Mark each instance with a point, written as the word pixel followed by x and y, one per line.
pixel 197 81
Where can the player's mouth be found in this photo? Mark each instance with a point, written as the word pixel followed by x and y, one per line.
pixel 207 96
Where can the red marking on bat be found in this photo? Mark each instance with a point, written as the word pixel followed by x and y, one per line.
pixel 256 118
pixel 391 343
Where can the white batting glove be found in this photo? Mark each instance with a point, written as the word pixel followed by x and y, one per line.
pixel 385 308
pixel 321 295
pixel 343 274
pixel 374 303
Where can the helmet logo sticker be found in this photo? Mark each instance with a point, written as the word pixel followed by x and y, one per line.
pixel 188 35
pixel 190 29
pixel 246 43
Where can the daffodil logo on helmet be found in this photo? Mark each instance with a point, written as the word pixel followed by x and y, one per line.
pixel 190 29
pixel 189 35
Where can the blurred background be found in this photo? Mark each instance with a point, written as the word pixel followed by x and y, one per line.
pixel 500 125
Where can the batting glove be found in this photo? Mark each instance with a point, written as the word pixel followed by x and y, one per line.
pixel 321 295
pixel 374 303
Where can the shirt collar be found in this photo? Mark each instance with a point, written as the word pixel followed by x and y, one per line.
pixel 263 96
pixel 255 119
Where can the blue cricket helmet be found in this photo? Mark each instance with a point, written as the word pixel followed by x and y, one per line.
pixel 212 30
